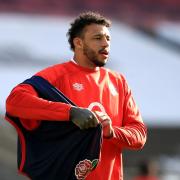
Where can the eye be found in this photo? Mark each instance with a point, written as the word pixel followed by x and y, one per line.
pixel 108 38
pixel 98 38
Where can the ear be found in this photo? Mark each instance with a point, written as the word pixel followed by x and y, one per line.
pixel 78 43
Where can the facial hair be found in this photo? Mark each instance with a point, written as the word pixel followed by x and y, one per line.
pixel 93 56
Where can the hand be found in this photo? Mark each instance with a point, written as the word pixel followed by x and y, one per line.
pixel 83 118
pixel 105 120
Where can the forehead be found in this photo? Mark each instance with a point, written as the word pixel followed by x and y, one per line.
pixel 96 29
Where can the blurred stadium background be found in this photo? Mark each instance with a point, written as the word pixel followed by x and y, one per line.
pixel 145 48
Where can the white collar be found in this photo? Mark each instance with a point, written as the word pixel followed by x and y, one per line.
pixel 74 61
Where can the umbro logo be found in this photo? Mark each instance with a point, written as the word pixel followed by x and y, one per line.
pixel 78 86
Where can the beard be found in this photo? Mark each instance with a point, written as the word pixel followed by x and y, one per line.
pixel 93 56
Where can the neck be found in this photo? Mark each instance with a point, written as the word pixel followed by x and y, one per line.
pixel 83 61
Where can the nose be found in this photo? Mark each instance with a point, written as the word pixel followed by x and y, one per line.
pixel 105 42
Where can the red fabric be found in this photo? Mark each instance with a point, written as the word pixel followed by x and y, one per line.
pixel 22 141
pixel 97 89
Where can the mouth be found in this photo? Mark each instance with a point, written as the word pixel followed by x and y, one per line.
pixel 104 53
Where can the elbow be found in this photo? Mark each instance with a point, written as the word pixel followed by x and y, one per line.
pixel 141 142
pixel 13 100
pixel 9 104
pixel 142 137
pixel 140 145
pixel 137 144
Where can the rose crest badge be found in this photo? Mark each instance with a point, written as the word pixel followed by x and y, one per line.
pixel 83 168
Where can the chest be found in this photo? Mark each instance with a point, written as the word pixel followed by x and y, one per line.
pixel 100 93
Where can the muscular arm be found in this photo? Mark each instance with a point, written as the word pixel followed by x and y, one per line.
pixel 23 102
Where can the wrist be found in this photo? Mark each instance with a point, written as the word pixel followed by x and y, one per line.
pixel 110 135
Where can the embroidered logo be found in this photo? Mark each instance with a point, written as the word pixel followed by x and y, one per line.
pixel 83 168
pixel 78 86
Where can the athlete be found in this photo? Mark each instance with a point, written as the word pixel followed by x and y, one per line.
pixel 102 96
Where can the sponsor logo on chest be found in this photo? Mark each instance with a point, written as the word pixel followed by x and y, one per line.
pixel 78 86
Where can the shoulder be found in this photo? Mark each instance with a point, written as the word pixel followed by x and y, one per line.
pixel 117 78
pixel 114 74
pixel 52 73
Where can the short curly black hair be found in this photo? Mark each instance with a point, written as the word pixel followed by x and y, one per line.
pixel 84 19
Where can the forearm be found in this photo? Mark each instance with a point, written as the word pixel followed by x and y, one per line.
pixel 132 136
pixel 23 102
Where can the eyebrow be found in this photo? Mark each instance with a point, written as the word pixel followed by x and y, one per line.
pixel 97 35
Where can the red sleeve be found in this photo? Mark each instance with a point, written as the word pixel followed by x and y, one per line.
pixel 133 132
pixel 23 102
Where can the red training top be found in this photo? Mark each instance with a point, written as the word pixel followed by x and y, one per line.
pixel 97 89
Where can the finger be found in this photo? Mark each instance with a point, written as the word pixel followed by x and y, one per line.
pixel 103 118
pixel 106 122
pixel 99 113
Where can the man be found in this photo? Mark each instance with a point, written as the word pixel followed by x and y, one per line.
pixel 102 96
